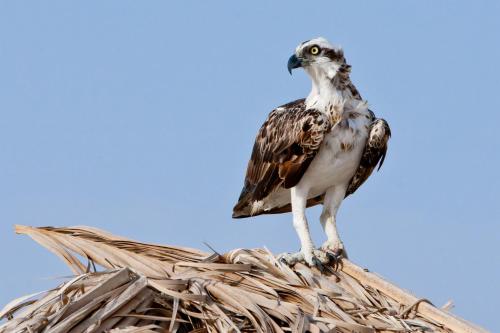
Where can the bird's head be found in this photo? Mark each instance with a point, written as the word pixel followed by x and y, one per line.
pixel 318 57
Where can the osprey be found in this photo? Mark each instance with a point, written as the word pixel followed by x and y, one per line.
pixel 313 151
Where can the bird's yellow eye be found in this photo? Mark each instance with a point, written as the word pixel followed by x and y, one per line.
pixel 314 50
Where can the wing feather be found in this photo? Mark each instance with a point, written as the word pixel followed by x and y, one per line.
pixel 284 147
pixel 373 154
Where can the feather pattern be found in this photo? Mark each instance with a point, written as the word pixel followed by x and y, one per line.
pixel 284 147
pixel 373 154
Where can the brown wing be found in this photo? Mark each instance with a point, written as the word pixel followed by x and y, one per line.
pixel 285 146
pixel 374 153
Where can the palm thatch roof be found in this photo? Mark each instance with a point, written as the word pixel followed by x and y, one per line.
pixel 153 288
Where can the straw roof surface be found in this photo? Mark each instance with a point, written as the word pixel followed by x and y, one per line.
pixel 153 288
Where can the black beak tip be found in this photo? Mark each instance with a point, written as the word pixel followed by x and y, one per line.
pixel 293 62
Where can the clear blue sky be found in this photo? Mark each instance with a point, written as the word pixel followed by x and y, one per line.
pixel 138 117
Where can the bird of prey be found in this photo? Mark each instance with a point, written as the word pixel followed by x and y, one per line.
pixel 316 150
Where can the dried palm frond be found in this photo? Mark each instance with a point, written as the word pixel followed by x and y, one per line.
pixel 153 288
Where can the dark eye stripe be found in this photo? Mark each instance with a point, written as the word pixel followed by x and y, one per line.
pixel 334 55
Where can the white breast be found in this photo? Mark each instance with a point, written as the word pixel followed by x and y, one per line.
pixel 340 153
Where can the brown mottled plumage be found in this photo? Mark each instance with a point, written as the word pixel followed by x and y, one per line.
pixel 285 146
pixel 373 154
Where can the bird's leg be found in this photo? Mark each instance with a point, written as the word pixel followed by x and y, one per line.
pixel 307 251
pixel 331 203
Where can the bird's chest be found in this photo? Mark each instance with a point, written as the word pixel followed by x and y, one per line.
pixel 341 150
pixel 348 134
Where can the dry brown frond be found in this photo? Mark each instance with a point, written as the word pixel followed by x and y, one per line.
pixel 153 288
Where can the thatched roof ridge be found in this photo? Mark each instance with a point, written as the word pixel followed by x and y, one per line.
pixel 153 288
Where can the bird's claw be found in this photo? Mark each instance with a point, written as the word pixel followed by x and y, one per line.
pixel 334 258
pixel 318 264
pixel 315 258
pixel 335 251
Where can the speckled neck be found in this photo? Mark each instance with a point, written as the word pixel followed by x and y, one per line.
pixel 331 93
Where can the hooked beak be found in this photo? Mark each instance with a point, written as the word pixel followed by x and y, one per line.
pixel 294 62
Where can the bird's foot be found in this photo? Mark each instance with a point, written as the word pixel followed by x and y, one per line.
pixel 313 258
pixel 335 251
pixel 335 248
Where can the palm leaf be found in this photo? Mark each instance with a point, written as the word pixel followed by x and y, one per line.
pixel 154 288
